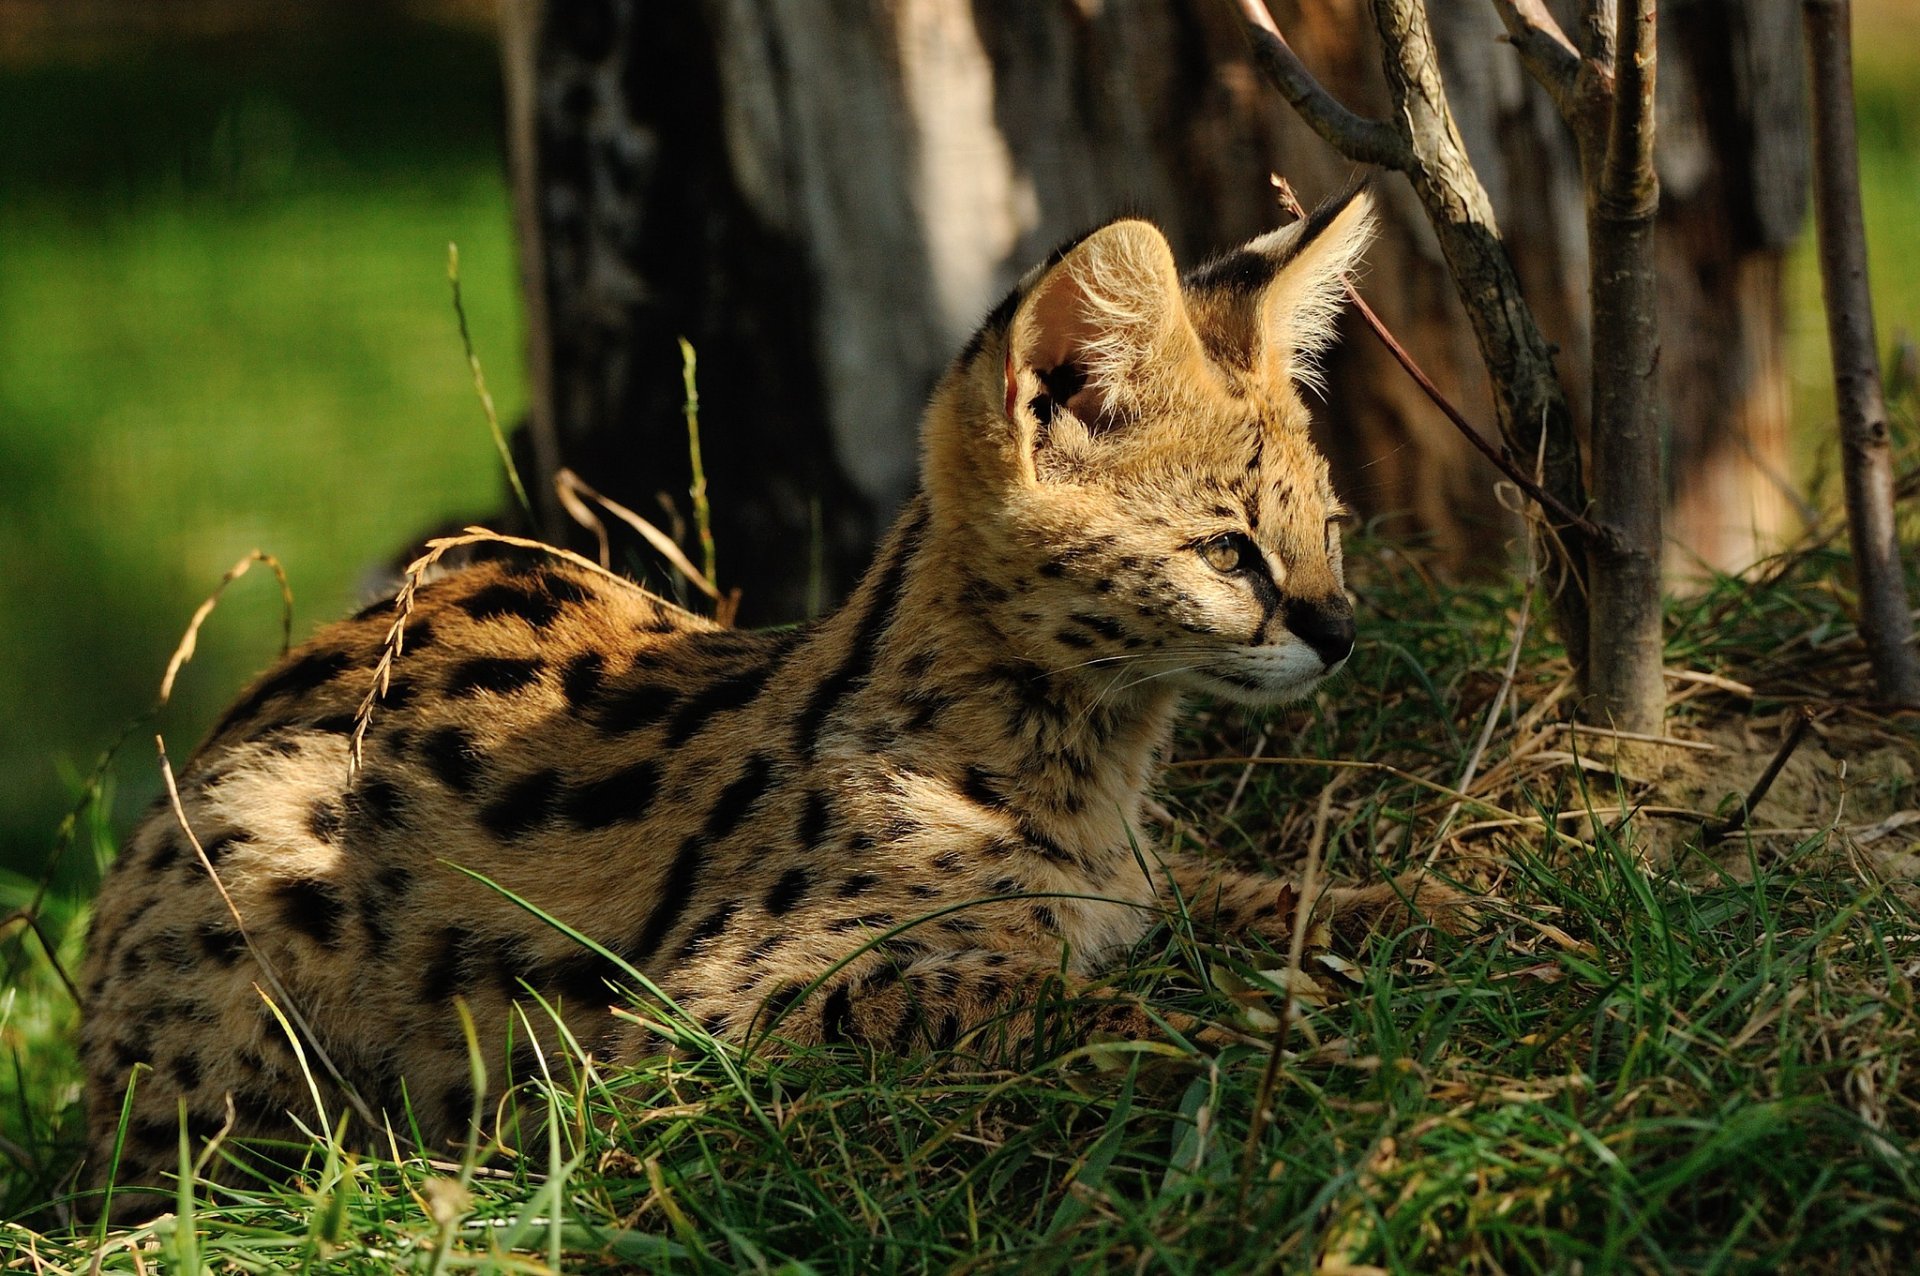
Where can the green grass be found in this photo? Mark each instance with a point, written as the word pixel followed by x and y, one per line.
pixel 210 346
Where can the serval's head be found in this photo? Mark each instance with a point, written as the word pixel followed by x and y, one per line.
pixel 1125 454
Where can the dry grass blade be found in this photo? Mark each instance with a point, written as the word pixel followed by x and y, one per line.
pixel 403 604
pixel 190 640
pixel 266 967
pixel 29 913
pixel 1296 953
pixel 567 482
pixel 480 388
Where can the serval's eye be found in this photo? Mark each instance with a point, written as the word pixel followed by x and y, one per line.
pixel 1227 554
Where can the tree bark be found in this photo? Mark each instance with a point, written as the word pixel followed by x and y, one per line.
pixel 1866 457
pixel 1626 678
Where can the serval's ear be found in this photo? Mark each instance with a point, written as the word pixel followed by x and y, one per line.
pixel 1274 304
pixel 1094 332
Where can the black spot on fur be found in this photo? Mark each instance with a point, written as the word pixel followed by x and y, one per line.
pixel 325 819
pixel 165 854
pixel 376 904
pixel 376 800
pixel 739 797
pixel 857 664
pixel 982 787
pixel 734 692
pixel 309 673
pixel 382 606
pixel 524 805
pixel 836 1015
pixel 867 921
pixel 187 1071
pixel 710 927
pixel 1077 641
pixel 788 891
pixel 221 944
pixel 565 590
pixel 503 599
pixel 313 908
pixel 580 680
pixel 816 819
pixel 858 885
pixel 627 794
pixel 778 1000
pixel 582 979
pixel 1105 626
pixel 453 758
pixel 674 895
pixel 636 707
pixel 441 980
pixel 217 849
pixel 399 695
pixel 500 675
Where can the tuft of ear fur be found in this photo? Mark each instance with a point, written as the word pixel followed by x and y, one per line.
pixel 1279 298
pixel 1090 326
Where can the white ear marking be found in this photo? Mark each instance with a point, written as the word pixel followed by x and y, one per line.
pixel 1300 309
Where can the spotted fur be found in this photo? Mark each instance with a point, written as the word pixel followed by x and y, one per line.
pixel 929 803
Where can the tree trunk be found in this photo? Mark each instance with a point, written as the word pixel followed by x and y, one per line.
pixel 1626 673
pixel 1866 451
pixel 825 195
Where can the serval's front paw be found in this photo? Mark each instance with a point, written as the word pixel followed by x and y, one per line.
pixel 1393 907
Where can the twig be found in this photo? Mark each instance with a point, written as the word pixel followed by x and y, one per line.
pixel 1549 56
pixel 1492 720
pixel 566 481
pixel 1367 141
pixel 1240 785
pixel 1738 820
pixel 1545 499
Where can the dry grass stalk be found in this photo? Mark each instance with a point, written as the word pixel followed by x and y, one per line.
pixel 572 487
pixel 28 914
pixel 403 604
pixel 190 640
pixel 285 999
pixel 1296 953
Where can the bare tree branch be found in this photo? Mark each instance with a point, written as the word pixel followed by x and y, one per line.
pixel 1530 403
pixel 1363 140
pixel 1546 500
pixel 1544 50
pixel 1885 623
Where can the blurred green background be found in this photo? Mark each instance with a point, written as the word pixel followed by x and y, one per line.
pixel 225 325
